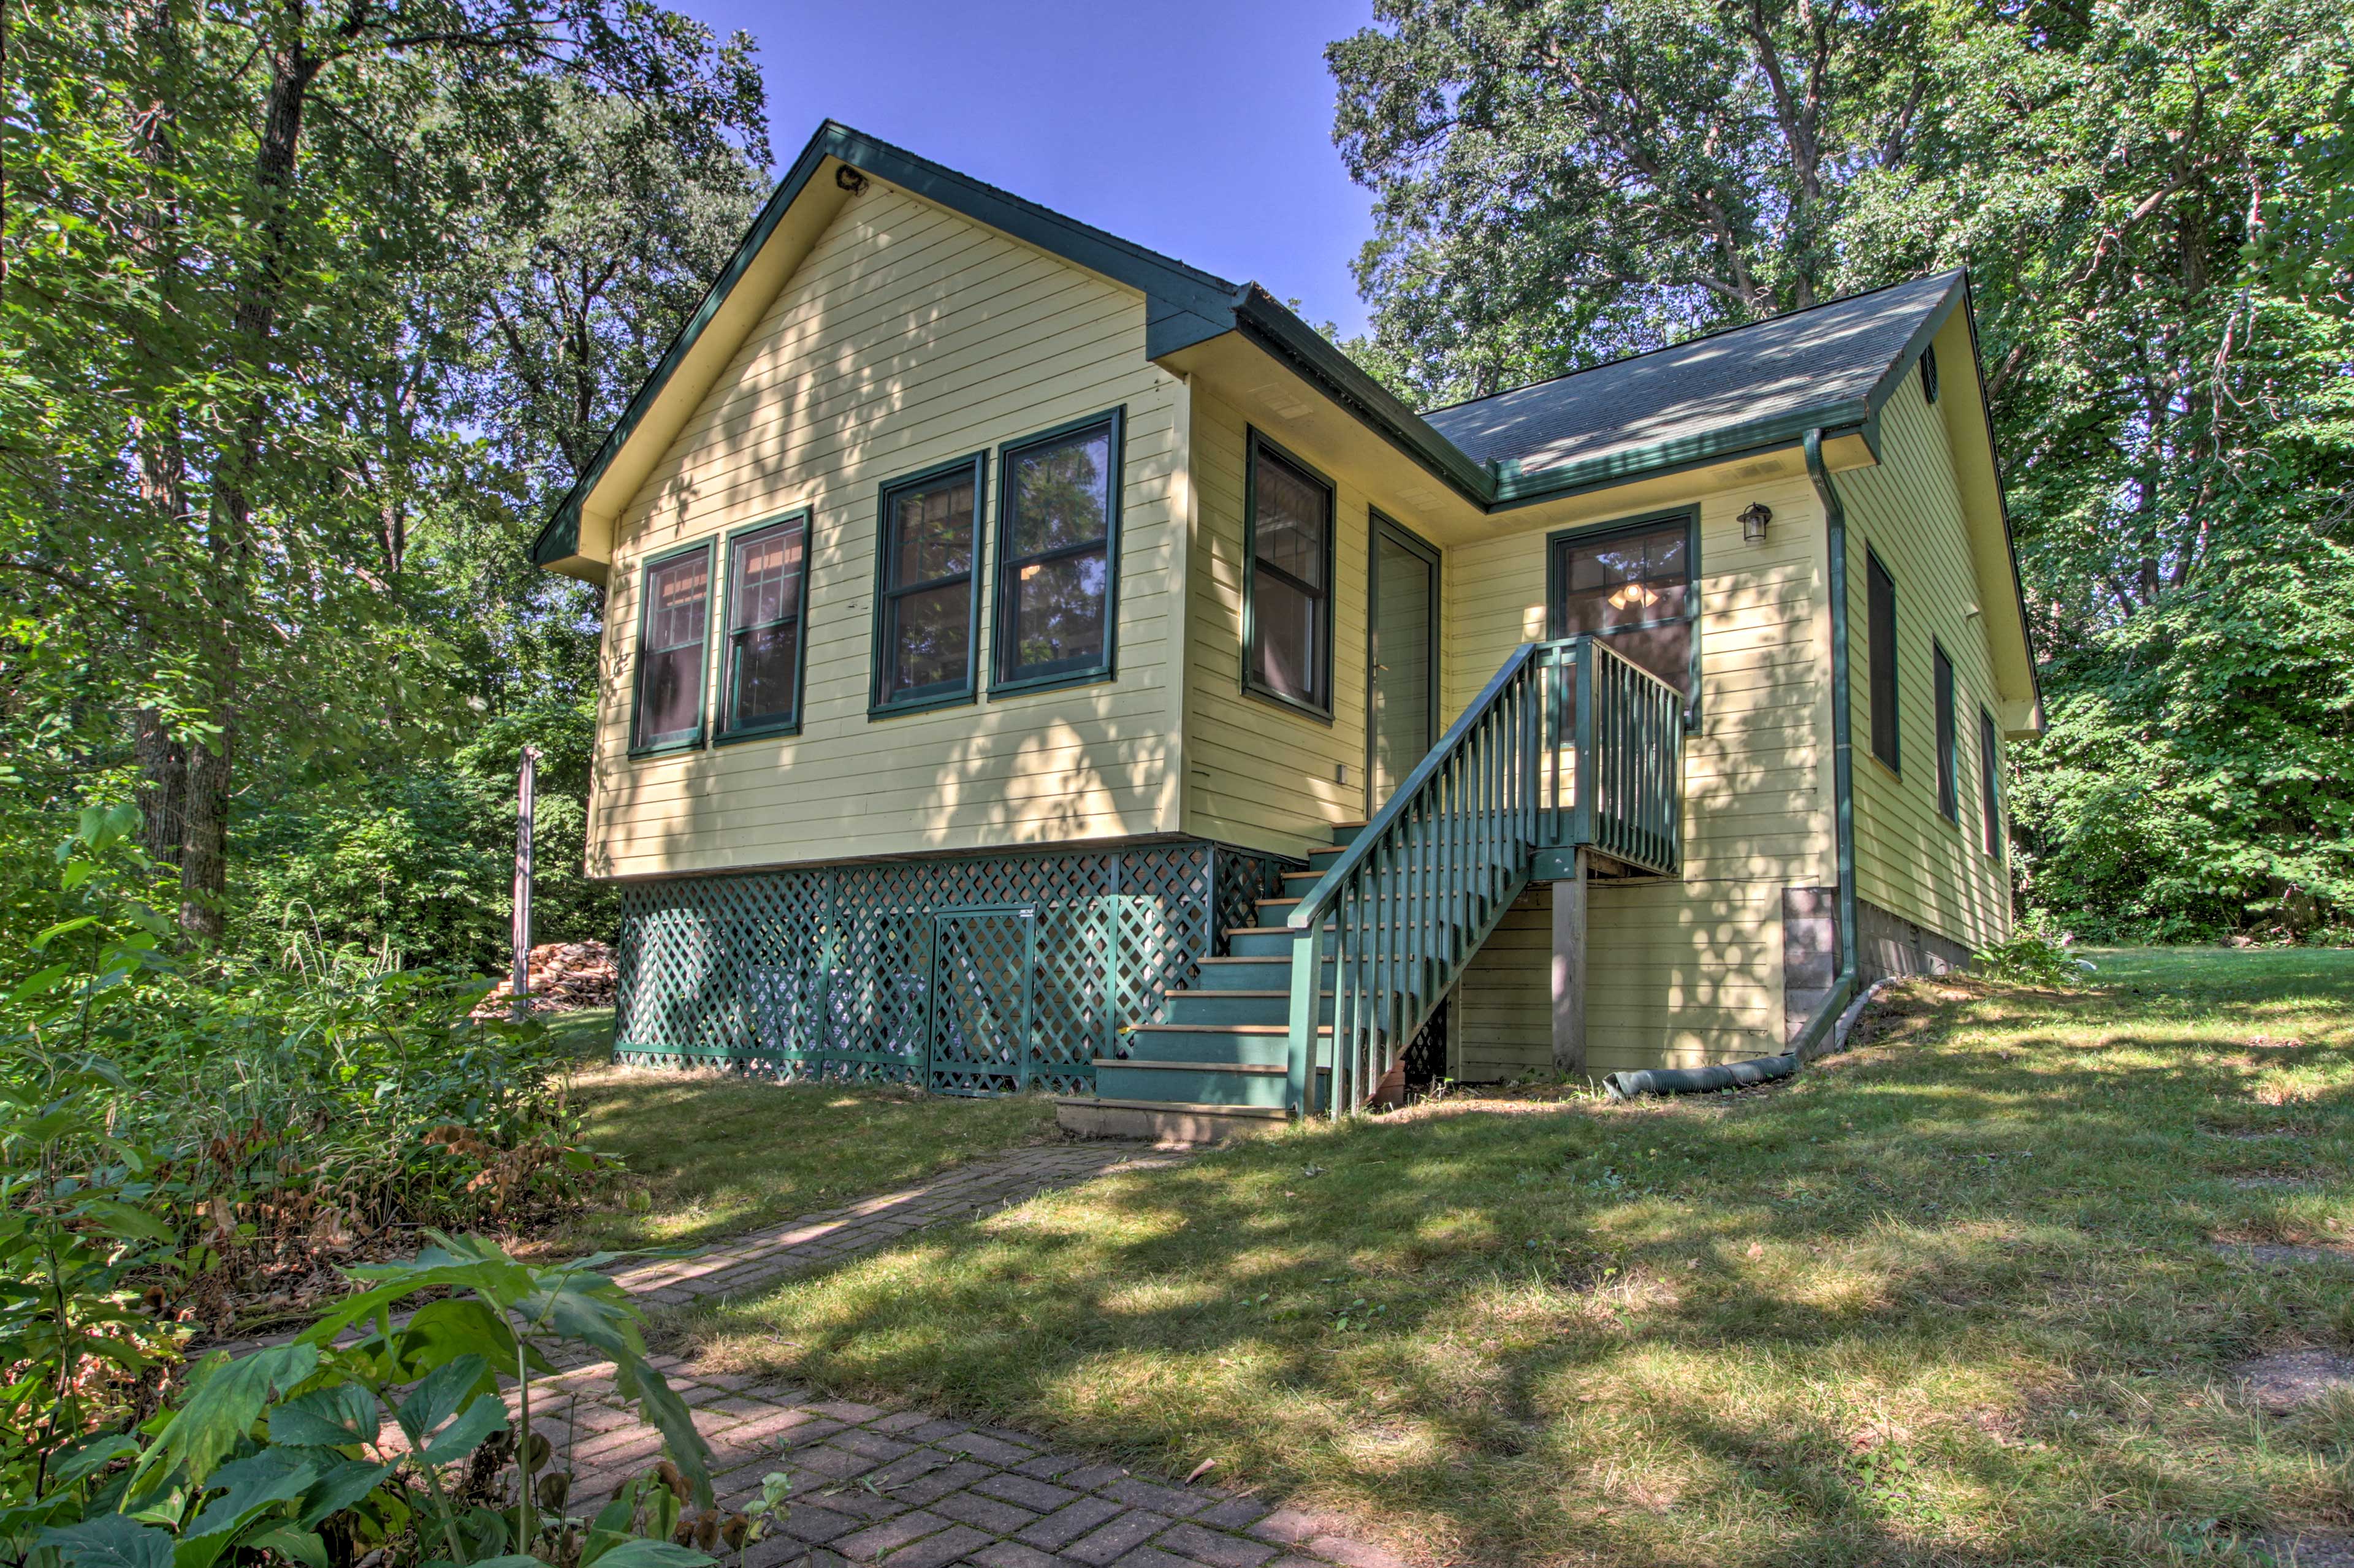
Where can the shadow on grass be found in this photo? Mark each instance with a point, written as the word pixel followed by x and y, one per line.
pixel 1951 1300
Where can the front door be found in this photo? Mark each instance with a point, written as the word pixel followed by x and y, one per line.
pixel 1403 722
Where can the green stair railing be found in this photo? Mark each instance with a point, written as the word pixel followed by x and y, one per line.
pixel 1569 745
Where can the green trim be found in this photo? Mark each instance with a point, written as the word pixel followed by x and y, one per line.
pixel 1895 763
pixel 1254 441
pixel 1843 722
pixel 925 700
pixel 1901 368
pixel 1949 739
pixel 1990 824
pixel 1182 305
pixel 1377 525
pixel 728 735
pixel 1644 522
pixel 1105 668
pixel 646 569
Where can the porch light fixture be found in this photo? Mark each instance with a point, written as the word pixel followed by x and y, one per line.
pixel 1633 596
pixel 1753 519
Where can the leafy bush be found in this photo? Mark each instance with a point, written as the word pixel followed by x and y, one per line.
pixel 281 1118
pixel 2032 956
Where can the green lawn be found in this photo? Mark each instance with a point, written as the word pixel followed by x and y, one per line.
pixel 1952 1299
pixel 707 1156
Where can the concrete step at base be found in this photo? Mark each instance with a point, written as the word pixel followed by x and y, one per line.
pixel 1161 1122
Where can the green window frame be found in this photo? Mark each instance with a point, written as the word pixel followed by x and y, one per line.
pixel 1009 673
pixel 788 585
pixel 1562 542
pixel 1314 599
pixel 1991 786
pixel 1949 762
pixel 895 593
pixel 684 627
pixel 1879 627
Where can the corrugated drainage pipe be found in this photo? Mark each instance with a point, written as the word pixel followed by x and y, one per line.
pixel 1700 1080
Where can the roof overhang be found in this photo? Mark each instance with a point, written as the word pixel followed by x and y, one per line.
pixel 1193 317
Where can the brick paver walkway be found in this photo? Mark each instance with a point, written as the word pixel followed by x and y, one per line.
pixel 760 1257
pixel 902 1487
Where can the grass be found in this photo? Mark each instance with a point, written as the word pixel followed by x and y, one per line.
pixel 708 1155
pixel 1951 1299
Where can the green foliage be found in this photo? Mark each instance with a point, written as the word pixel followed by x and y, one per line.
pixel 2151 199
pixel 2033 955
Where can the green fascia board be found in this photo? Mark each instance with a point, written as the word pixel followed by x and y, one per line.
pixel 1183 304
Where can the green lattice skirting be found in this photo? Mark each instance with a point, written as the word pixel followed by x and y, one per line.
pixel 967 974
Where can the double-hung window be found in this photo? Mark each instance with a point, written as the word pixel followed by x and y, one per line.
pixel 1879 628
pixel 1634 585
pixel 768 573
pixel 1949 762
pixel 1989 786
pixel 1057 557
pixel 1288 591
pixel 673 615
pixel 928 588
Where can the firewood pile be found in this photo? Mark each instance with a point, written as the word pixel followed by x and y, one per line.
pixel 564 975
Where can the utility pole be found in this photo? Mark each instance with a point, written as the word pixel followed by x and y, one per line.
pixel 527 795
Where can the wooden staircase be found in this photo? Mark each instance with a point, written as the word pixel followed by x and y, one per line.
pixel 1570 752
pixel 1219 1064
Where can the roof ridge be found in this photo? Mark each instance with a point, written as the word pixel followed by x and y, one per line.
pixel 1697 337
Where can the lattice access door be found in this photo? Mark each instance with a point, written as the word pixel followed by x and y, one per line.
pixel 983 960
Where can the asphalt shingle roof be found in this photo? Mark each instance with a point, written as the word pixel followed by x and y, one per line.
pixel 1831 353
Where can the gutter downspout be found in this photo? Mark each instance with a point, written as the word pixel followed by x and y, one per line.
pixel 1824 1030
pixel 1812 1039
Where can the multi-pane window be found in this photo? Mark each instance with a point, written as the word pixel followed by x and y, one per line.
pixel 1635 586
pixel 673 621
pixel 927 591
pixel 1290 653
pixel 1989 783
pixel 768 568
pixel 1949 781
pixel 1057 543
pixel 1880 630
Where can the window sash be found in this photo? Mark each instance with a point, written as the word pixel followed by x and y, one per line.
pixel 1006 646
pixel 1315 642
pixel 793 589
pixel 892 595
pixel 674 638
pixel 1880 619
pixel 1949 784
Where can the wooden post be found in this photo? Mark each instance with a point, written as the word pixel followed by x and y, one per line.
pixel 1569 967
pixel 526 795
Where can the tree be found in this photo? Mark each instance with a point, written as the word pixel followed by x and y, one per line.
pixel 243 253
pixel 1558 185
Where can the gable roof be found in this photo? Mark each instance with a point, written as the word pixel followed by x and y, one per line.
pixel 1832 365
pixel 1829 369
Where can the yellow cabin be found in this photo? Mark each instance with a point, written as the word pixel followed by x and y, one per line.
pixel 1032 662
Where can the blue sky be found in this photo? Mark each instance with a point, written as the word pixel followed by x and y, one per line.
pixel 1202 129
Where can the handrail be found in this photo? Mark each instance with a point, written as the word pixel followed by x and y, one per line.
pixel 1410 901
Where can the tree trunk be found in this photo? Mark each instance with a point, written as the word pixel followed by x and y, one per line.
pixel 162 788
pixel 204 855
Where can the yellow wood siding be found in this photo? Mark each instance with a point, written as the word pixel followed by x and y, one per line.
pixel 1258 773
pixel 1687 971
pixel 907 338
pixel 1910 860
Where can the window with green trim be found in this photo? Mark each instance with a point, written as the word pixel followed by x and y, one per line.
pixel 1057 557
pixel 674 613
pixel 1289 592
pixel 1990 785
pixel 1879 629
pixel 1634 585
pixel 1949 771
pixel 927 591
pixel 768 570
